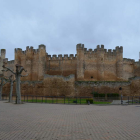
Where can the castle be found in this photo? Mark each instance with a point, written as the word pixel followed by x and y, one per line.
pixel 87 65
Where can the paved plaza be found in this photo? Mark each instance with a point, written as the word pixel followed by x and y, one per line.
pixel 36 121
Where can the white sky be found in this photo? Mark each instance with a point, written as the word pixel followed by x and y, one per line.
pixel 61 24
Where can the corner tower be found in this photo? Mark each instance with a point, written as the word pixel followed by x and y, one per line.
pixel 2 57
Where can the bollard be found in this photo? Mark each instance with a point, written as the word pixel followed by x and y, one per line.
pixel 88 102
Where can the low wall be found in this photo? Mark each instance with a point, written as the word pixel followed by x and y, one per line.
pixel 50 86
pixel 67 86
pixel 85 88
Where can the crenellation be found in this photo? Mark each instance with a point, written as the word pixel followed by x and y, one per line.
pixel 95 50
pixel 71 55
pixel 11 62
pixel 24 52
pixel 32 48
pixel 102 46
pixel 65 56
pixel 119 49
pixel 80 46
pixel 27 48
pixel 18 50
pixel 36 51
pixel 3 51
pixel 54 56
pixel 114 51
pixel 42 46
pixel 109 51
pixel 98 47
pixel 85 50
pixel 90 50
pixel 127 60
pixel 5 60
pixel 60 56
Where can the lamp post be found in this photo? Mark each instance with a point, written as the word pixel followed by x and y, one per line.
pixel 121 95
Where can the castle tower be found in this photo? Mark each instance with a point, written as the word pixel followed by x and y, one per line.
pixel 42 61
pixel 28 61
pixel 100 62
pixel 119 62
pixel 80 61
pixel 2 57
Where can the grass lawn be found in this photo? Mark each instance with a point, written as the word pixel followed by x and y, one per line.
pixel 62 101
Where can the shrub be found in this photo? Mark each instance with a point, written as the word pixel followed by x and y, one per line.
pixel 90 100
pixel 112 95
pixel 96 94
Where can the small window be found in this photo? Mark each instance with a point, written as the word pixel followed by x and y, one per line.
pixel 91 77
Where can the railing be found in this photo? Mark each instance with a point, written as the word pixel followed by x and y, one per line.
pixel 75 100
pixel 50 99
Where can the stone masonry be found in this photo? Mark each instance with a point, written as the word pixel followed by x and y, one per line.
pixel 87 65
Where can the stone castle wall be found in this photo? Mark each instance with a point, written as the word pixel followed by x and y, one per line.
pixel 87 65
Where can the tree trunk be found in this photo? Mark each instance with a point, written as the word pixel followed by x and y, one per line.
pixel 0 92
pixel 11 91
pixel 18 100
pixel 1 85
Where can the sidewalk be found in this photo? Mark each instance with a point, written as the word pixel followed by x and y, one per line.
pixel 36 121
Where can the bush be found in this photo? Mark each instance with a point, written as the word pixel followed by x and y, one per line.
pixel 90 100
pixel 96 94
pixel 112 95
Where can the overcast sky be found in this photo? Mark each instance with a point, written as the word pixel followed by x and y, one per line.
pixel 61 24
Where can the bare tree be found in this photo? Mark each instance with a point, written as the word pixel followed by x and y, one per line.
pixel 2 83
pixel 19 70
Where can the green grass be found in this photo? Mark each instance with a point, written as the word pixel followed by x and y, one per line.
pixel 62 101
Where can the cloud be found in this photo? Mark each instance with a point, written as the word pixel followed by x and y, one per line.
pixel 60 25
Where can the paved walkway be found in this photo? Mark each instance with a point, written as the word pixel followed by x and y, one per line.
pixel 118 102
pixel 34 121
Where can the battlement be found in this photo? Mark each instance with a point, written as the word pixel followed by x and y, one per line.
pixel 5 60
pixel 80 46
pixel 100 49
pixel 42 46
pixel 30 49
pixel 119 49
pixel 127 60
pixel 62 57
pixel 2 53
pixel 11 62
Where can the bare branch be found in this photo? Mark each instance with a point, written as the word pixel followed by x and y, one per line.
pixel 22 70
pixel 5 83
pixel 8 69
pixel 4 70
